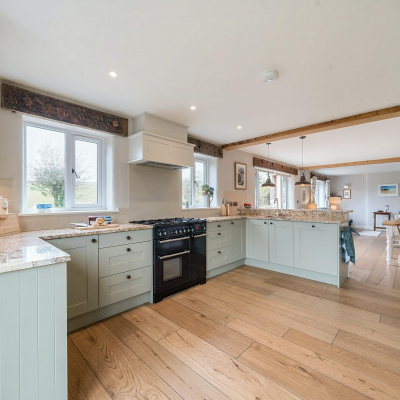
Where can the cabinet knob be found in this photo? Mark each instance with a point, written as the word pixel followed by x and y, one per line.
pixel 271 223
pixel 94 240
pixel 219 233
pixel 128 277
pixel 128 238
pixel 312 226
pixel 128 249
pixel 232 223
pixel 219 252
pixel 265 222
pixel 219 226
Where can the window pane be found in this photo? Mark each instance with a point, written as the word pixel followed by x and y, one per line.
pixel 45 167
pixel 86 177
pixel 265 194
pixel 186 185
pixel 199 168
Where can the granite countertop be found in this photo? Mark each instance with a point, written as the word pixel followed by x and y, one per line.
pixel 29 249
pixel 275 218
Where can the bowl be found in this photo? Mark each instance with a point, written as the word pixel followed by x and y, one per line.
pixel 247 206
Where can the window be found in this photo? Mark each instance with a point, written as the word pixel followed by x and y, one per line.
pixel 192 181
pixel 265 195
pixel 62 168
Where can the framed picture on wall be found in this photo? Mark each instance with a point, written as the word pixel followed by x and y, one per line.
pixel 390 189
pixel 240 176
pixel 347 194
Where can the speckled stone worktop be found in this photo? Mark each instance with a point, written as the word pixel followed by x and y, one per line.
pixel 275 218
pixel 29 249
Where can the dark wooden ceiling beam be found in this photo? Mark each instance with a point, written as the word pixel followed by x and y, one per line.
pixel 355 163
pixel 203 147
pixel 371 116
pixel 275 166
pixel 14 98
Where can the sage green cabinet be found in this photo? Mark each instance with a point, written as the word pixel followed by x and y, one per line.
pixel 316 247
pixel 257 244
pixel 82 273
pixel 281 242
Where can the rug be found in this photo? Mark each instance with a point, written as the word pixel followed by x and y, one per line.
pixel 369 233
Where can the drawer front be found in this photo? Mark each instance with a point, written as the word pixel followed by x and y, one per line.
pixel 118 259
pixel 115 288
pixel 220 238
pixel 120 238
pixel 218 257
pixel 74 242
pixel 214 226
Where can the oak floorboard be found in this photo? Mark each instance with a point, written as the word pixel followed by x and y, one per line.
pixel 187 383
pixel 121 372
pixel 281 317
pixel 298 378
pixel 382 274
pixel 371 290
pixel 345 357
pixel 82 382
pixel 360 275
pixel 230 376
pixel 396 283
pixel 356 380
pixel 153 324
pixel 377 352
pixel 216 334
pixel 390 322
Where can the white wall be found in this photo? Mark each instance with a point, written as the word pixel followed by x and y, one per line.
pixel 364 196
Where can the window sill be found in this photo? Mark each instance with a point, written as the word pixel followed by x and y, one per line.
pixel 199 208
pixel 52 213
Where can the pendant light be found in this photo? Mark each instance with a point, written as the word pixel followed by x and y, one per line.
pixel 268 182
pixel 303 181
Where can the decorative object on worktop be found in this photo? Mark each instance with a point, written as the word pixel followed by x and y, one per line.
pixel 247 205
pixel 347 194
pixel 14 98
pixel 303 181
pixel 240 176
pixel 389 189
pixel 108 219
pixel 313 190
pixel 43 207
pixel 223 207
pixel 303 196
pixel 208 192
pixel 327 192
pixel 3 206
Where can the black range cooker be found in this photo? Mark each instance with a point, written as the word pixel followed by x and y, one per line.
pixel 179 248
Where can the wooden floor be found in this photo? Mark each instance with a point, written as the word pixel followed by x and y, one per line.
pixel 371 264
pixel 249 334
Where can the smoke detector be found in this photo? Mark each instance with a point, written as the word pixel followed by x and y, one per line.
pixel 270 76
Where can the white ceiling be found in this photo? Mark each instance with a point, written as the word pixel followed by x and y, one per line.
pixel 335 58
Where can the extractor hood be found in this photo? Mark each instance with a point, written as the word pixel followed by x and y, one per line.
pixel 153 150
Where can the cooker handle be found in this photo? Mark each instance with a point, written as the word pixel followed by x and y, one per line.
pixel 173 255
pixel 173 240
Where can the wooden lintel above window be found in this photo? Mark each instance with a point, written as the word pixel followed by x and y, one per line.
pixel 275 166
pixel 358 119
pixel 14 98
pixel 206 148
pixel 319 177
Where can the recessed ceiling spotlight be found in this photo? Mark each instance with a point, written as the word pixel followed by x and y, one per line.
pixel 193 107
pixel 113 74
pixel 239 127
pixel 270 76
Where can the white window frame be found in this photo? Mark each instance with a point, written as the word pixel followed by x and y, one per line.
pixel 193 183
pixel 277 188
pixel 69 198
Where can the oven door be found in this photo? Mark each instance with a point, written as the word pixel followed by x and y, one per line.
pixel 171 270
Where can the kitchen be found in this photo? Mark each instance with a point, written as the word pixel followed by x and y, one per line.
pixel 269 282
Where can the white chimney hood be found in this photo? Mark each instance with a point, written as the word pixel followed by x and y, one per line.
pixel 158 142
pixel 146 148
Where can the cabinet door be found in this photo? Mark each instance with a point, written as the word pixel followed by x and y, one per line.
pixel 257 240
pixel 281 242
pixel 219 257
pixel 239 240
pixel 82 275
pixel 316 247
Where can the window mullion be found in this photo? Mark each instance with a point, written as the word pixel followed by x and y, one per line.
pixel 69 165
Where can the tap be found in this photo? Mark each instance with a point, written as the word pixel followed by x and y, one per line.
pixel 277 204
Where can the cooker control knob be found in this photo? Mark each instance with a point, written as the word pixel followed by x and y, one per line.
pixel 159 233
pixel 164 233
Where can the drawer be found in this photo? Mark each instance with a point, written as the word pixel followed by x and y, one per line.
pixel 214 226
pixel 120 238
pixel 75 242
pixel 218 257
pixel 220 238
pixel 117 259
pixel 115 288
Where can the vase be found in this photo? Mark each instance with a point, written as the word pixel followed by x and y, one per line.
pixel 207 200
